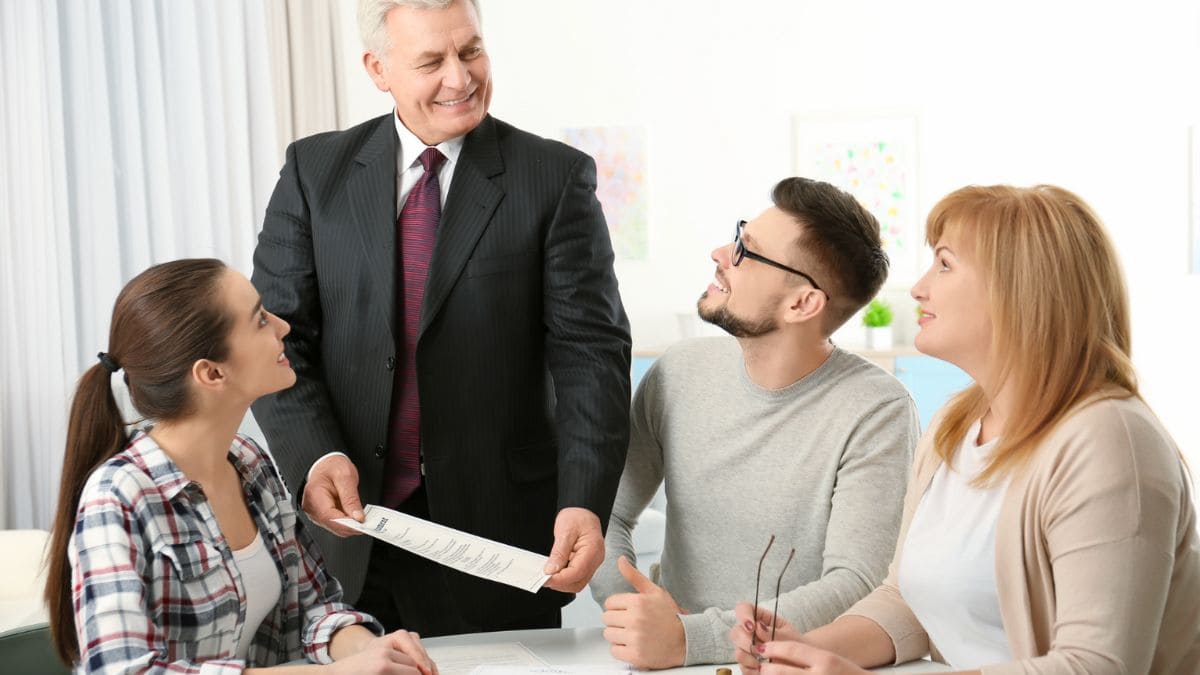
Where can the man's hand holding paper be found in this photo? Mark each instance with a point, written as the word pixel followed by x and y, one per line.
pixel 331 494
pixel 453 548
pixel 578 550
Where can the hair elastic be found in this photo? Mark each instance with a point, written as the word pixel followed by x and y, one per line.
pixel 108 363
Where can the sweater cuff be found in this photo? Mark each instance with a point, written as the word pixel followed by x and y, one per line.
pixel 706 639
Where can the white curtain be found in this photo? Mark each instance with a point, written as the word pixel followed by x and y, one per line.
pixel 305 68
pixel 132 132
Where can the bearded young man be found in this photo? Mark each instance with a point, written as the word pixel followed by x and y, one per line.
pixel 777 432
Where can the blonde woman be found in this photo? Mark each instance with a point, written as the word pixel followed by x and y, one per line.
pixel 1048 525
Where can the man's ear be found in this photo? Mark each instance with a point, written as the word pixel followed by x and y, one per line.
pixel 806 304
pixel 374 68
pixel 208 374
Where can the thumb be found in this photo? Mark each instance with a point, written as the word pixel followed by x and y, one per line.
pixel 640 583
pixel 560 553
pixel 347 494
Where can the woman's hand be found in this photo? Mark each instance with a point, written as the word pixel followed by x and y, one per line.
pixel 397 653
pixel 748 624
pixel 377 658
pixel 409 643
pixel 788 658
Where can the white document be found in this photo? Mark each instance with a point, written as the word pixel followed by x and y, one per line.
pixel 463 659
pixel 453 548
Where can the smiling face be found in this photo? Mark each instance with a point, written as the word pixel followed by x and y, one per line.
pixel 256 364
pixel 955 322
pixel 747 300
pixel 436 70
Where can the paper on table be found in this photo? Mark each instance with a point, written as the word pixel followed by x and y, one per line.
pixel 463 659
pixel 453 548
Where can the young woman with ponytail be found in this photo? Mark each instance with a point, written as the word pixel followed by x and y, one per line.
pixel 177 548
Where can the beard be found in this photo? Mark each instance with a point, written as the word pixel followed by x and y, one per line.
pixel 736 326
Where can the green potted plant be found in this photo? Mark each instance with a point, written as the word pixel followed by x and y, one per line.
pixel 878 320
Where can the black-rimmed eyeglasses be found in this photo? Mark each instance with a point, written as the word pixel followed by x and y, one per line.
pixel 740 252
pixel 778 584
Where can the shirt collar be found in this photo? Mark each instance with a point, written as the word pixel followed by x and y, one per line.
pixel 407 153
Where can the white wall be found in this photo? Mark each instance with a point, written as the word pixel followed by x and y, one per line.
pixel 1096 97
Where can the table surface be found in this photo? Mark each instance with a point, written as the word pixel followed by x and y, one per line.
pixel 586 646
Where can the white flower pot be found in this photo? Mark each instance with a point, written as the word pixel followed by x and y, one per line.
pixel 879 338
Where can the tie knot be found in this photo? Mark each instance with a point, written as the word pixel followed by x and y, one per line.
pixel 431 159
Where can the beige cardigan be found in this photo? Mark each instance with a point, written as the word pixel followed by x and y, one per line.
pixel 1097 558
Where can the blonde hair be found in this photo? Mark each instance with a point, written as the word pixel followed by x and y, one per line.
pixel 1060 311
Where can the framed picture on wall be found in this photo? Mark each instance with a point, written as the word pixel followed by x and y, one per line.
pixel 874 158
pixel 620 154
pixel 1194 201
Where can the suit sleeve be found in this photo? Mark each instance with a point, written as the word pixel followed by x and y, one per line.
pixel 639 482
pixel 587 347
pixel 299 422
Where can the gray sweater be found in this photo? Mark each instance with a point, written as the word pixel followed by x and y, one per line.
pixel 822 464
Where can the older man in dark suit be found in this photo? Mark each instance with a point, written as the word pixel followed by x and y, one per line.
pixel 461 348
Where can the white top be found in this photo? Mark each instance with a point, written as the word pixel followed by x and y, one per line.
pixel 947 572
pixel 260 579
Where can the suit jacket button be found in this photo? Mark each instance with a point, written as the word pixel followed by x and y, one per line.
pixel 379 451
pixel 391 363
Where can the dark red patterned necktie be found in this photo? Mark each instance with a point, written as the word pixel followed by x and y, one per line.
pixel 417 234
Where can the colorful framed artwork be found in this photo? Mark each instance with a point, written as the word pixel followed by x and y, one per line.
pixel 620 154
pixel 873 158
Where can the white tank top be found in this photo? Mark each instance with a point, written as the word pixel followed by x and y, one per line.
pixel 260 579
pixel 947 572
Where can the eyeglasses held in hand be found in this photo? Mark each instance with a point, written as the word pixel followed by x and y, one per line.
pixel 775 611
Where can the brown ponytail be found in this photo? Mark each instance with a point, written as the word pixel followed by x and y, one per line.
pixel 95 432
pixel 164 320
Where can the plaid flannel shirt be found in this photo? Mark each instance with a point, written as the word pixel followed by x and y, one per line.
pixel 154 581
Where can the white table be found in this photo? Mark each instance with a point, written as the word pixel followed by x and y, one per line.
pixel 586 646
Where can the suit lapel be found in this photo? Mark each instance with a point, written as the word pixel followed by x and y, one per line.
pixel 372 194
pixel 472 200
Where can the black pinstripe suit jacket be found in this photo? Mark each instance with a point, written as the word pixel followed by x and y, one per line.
pixel 523 351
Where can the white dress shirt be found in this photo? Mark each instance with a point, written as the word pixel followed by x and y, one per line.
pixel 409 169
